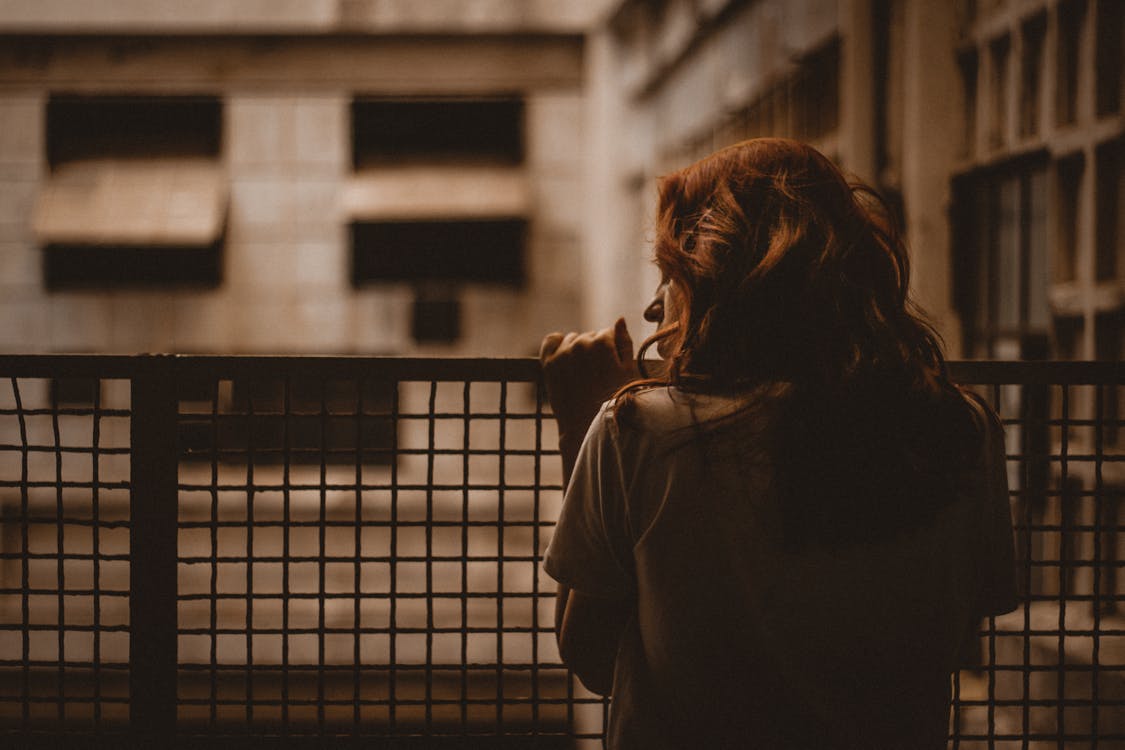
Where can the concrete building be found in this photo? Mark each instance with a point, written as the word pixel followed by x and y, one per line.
pixel 995 126
pixel 290 176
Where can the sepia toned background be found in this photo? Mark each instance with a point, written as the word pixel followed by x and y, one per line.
pixel 457 178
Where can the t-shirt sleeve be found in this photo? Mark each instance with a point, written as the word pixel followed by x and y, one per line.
pixel 997 593
pixel 589 551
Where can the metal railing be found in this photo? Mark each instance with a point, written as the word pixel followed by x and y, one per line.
pixel 284 549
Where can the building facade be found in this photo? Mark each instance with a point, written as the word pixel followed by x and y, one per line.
pixel 995 127
pixel 322 177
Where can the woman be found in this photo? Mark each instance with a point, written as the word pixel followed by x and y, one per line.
pixel 787 539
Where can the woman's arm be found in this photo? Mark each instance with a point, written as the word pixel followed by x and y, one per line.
pixel 588 629
pixel 581 371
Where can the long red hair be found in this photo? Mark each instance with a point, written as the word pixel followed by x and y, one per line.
pixel 783 271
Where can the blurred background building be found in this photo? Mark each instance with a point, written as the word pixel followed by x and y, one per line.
pixel 994 125
pixel 329 176
pixel 459 176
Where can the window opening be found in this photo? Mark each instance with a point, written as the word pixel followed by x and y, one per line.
pixel 436 315
pixel 1110 30
pixel 486 251
pixel 1110 202
pixel 1069 39
pixel 136 195
pixel 1067 186
pixel 968 64
pixel 998 91
pixel 1031 74
pixel 135 127
pixel 1003 274
pixel 75 392
pixel 438 130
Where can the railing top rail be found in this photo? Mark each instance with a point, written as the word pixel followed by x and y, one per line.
pixel 260 365
pixel 466 368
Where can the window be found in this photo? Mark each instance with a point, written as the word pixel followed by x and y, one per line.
pixel 1110 202
pixel 136 194
pixel 889 32
pixel 1068 338
pixel 998 91
pixel 331 421
pixel 1002 272
pixel 816 93
pixel 1031 74
pixel 81 128
pixel 81 266
pixel 1110 29
pixel 1068 50
pixel 490 251
pixel 438 198
pixel 445 130
pixel 1109 331
pixel 968 65
pixel 1068 182
pixel 436 315
pixel 72 393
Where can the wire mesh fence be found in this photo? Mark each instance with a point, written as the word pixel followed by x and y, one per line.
pixel 256 549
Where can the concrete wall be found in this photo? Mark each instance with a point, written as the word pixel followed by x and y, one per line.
pixel 671 86
pixel 300 16
pixel 287 157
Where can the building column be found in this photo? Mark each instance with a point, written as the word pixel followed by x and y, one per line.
pixel 932 125
pixel 857 90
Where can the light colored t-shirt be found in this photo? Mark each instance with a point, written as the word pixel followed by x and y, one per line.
pixel 737 640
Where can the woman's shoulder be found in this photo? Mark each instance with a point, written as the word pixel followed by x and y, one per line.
pixel 665 410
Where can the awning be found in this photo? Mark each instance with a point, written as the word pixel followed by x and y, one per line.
pixel 159 202
pixel 436 193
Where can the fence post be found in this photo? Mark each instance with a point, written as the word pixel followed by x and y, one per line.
pixel 152 543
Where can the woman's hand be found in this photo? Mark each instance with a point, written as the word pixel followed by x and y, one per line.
pixel 581 371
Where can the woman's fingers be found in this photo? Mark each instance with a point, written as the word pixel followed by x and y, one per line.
pixel 568 340
pixel 550 345
pixel 623 342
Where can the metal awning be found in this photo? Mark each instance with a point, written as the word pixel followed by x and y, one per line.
pixel 161 202
pixel 436 193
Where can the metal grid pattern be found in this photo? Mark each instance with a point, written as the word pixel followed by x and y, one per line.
pixel 64 554
pixel 263 549
pixel 383 585
pixel 1053 672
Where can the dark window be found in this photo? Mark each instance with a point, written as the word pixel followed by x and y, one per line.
pixel 490 251
pixel 968 65
pixel 1110 202
pixel 1068 182
pixel 816 93
pixel 321 420
pixel 888 43
pixel 1109 330
pixel 437 131
pixel 1068 338
pixel 998 91
pixel 136 196
pixel 70 393
pixel 76 266
pixel 1068 50
pixel 1110 30
pixel 1031 74
pixel 1001 275
pixel 107 127
pixel 436 315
